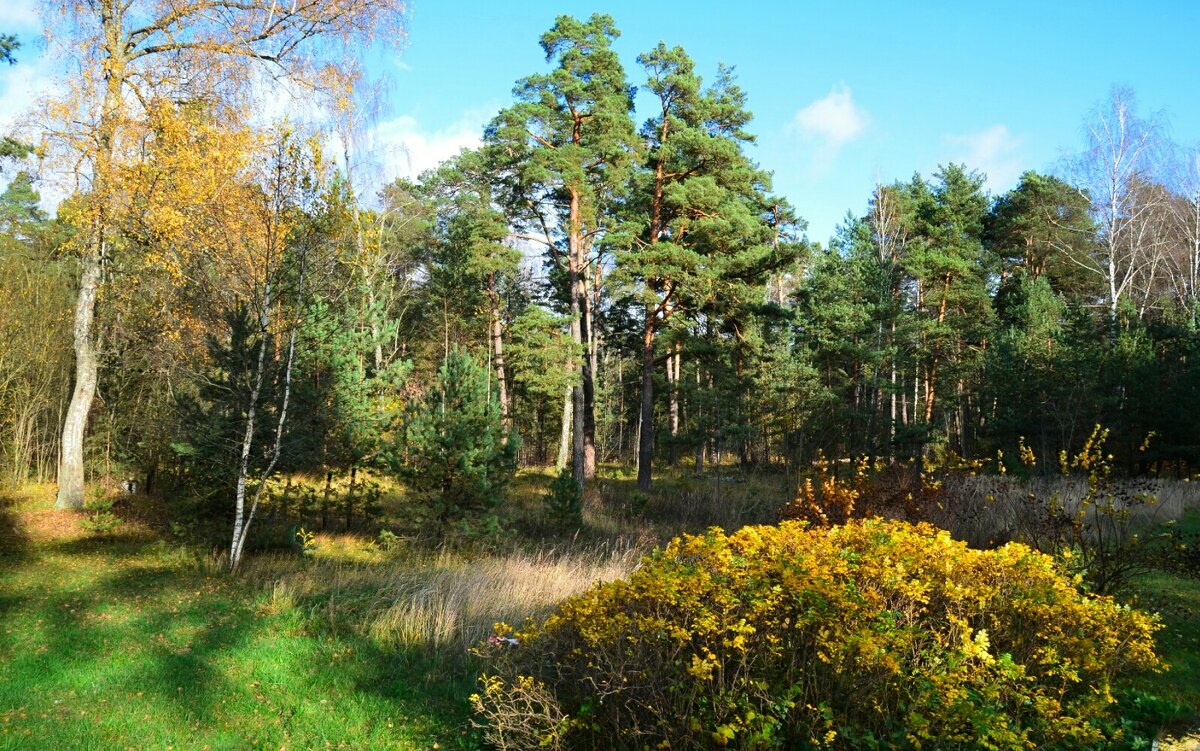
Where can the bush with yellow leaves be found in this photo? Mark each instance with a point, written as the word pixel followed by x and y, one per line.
pixel 861 488
pixel 874 634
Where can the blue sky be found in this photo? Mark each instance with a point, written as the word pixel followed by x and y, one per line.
pixel 843 94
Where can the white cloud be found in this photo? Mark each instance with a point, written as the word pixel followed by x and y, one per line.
pixel 17 15
pixel 994 151
pixel 830 123
pixel 21 86
pixel 33 76
pixel 406 148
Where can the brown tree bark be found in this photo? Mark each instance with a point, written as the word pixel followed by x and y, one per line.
pixel 646 427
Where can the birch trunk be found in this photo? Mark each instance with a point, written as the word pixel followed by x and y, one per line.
pixel 70 463
pixel 240 523
pixel 564 443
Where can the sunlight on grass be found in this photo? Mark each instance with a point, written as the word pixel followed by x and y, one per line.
pixel 441 600
pixel 138 646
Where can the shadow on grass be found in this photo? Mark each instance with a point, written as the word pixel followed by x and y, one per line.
pixel 14 544
pixel 115 643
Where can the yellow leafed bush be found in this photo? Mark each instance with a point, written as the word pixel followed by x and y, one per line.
pixel 874 634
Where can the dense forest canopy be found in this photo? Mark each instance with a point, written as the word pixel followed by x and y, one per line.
pixel 217 301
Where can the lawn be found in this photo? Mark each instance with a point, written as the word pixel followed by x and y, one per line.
pixel 136 643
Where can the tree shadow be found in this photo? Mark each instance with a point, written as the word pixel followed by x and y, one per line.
pixel 167 642
pixel 14 543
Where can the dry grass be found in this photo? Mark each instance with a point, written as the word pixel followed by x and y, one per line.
pixel 433 600
pixel 987 511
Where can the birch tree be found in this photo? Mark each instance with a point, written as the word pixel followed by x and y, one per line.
pixel 276 260
pixel 127 55
pixel 1121 156
pixel 1184 212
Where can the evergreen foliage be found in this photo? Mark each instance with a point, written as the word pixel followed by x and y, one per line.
pixel 564 501
pixel 456 458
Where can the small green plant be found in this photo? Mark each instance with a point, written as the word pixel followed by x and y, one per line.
pixel 564 502
pixel 388 541
pixel 486 529
pixel 307 502
pixel 636 504
pixel 307 541
pixel 372 497
pixel 100 519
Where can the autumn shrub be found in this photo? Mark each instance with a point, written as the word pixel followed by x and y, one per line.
pixel 827 499
pixel 873 634
pixel 1104 526
pixel 836 491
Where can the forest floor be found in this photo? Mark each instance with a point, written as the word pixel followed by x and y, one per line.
pixel 133 640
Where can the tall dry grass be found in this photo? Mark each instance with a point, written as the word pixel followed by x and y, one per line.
pixel 991 510
pixel 442 600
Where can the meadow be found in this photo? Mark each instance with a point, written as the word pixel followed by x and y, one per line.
pixel 140 638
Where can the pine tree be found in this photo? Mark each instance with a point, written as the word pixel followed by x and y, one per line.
pixel 569 143
pixel 457 459
pixel 697 232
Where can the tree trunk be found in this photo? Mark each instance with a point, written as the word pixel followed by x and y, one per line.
pixel 564 442
pixel 573 271
pixel 70 465
pixel 242 530
pixel 698 469
pixel 498 346
pixel 646 428
pixel 588 334
pixel 239 515
pixel 674 364
pixel 620 409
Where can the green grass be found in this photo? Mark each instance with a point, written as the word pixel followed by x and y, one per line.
pixel 1176 598
pixel 131 644
pixel 135 642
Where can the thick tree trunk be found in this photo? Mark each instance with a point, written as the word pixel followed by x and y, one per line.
pixel 698 468
pixel 70 465
pixel 674 365
pixel 574 269
pixel 892 380
pixel 620 408
pixel 646 427
pixel 564 443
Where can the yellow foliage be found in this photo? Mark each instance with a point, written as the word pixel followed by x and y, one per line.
pixel 869 633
